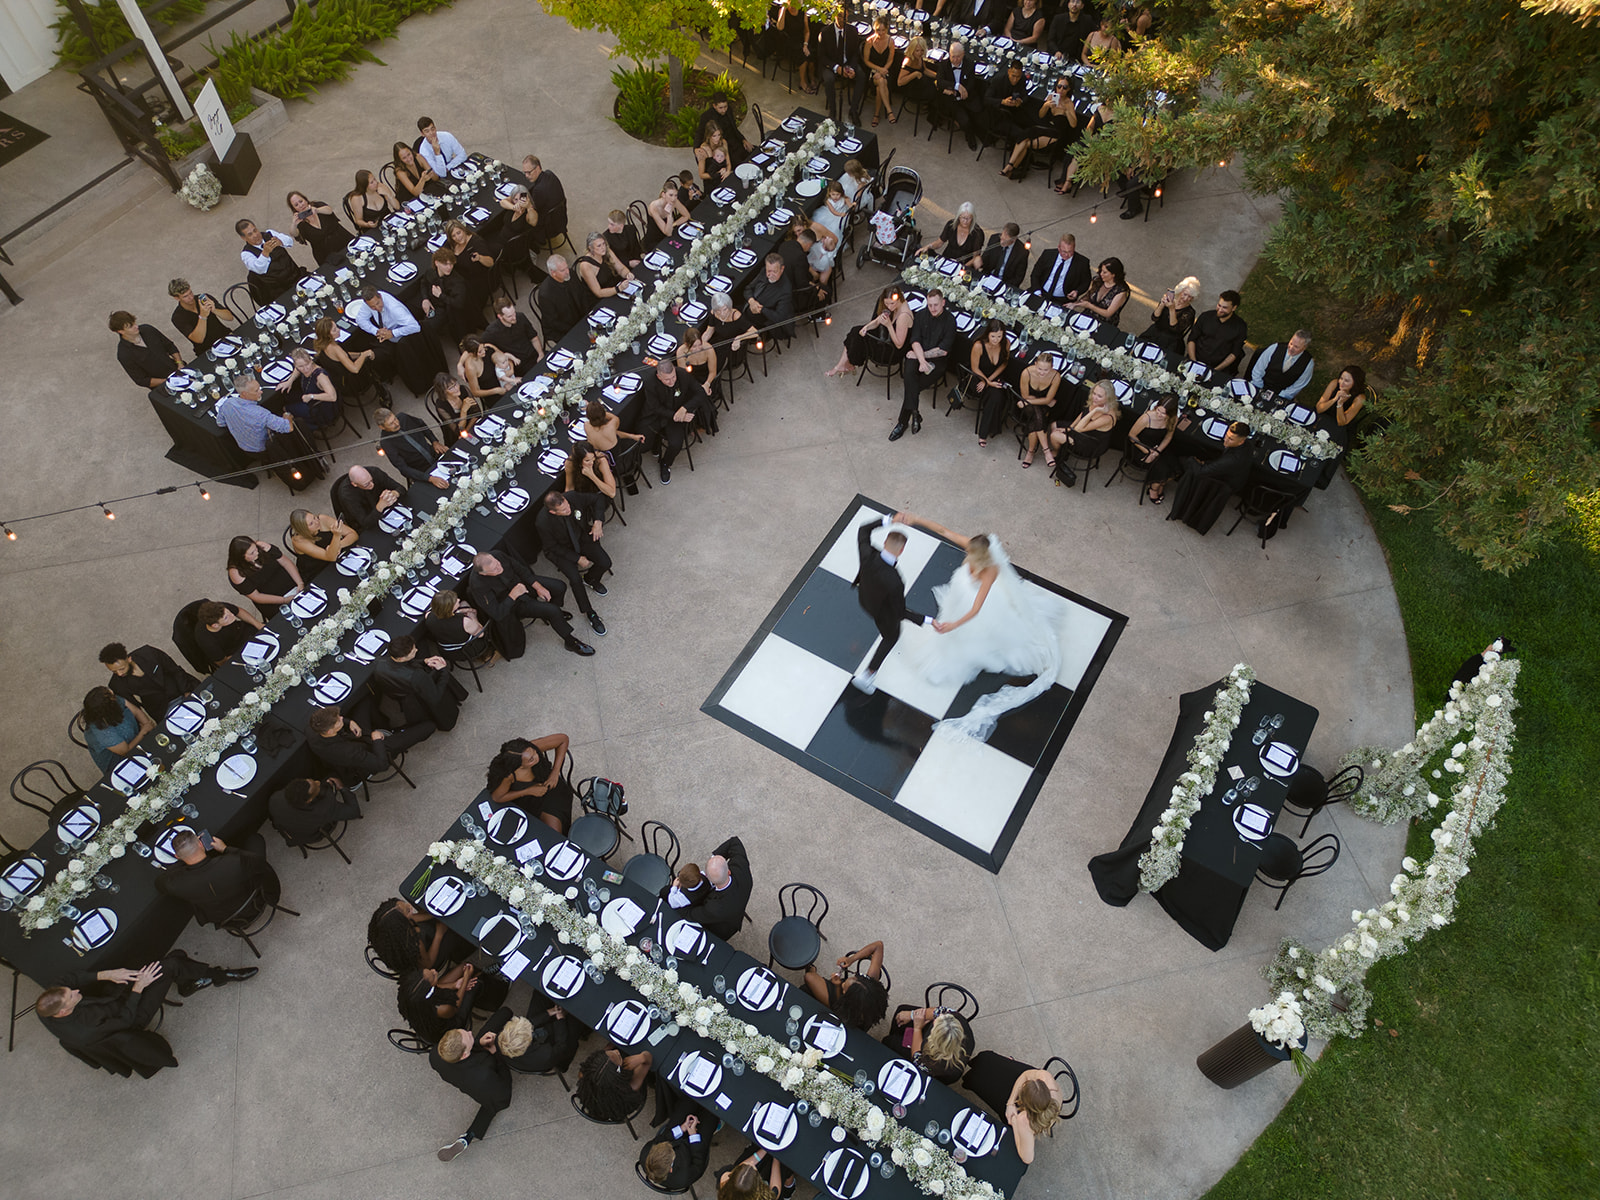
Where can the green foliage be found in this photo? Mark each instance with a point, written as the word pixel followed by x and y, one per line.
pixel 181 140
pixel 660 28
pixel 641 107
pixel 641 99
pixel 1436 165
pixel 682 125
pixel 111 27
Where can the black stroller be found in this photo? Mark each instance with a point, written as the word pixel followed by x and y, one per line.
pixel 890 238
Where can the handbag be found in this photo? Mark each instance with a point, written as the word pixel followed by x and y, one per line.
pixel 604 796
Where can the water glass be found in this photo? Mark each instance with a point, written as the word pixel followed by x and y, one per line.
pixel 719 983
pixel 877 1159
pixel 887 1170
pixel 189 810
pixel 672 962
pixel 738 1065
pixel 727 1059
pixel 791 1026
pixel 813 1118
pixel 657 954
pixel 730 997
pixel 861 1078
pixel 944 1137
pixel 795 1013
pixel 795 1043
pixel 605 895
pixel 931 1129
pixel 594 904
pixel 248 741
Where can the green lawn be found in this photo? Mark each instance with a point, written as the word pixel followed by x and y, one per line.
pixel 1482 1081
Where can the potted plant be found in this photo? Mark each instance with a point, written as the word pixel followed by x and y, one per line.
pixel 1276 1033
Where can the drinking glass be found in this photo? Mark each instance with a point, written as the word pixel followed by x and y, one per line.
pixel 719 983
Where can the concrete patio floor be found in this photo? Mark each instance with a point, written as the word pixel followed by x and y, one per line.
pixel 287 1086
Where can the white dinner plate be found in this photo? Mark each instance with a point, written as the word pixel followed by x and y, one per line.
pixel 1252 822
pixel 507 826
pixel 1285 462
pixel 535 388
pixel 1300 414
pixel 809 187
pixel 95 928
pixel 457 561
pixel 825 1034
pixel 354 561
pixel 748 172
pixel 688 940
pixel 901 1082
pixel 564 861
pixel 846 1172
pixel 742 258
pixel 435 242
pixel 277 370
pixel 512 500
pixel 309 602
pixel 1214 428
pixel 184 717
pixel 270 314
pixel 553 461
pixel 627 1021
pixel 562 977
pixel 181 381
pixel 759 989
pixel 394 518
pixel 489 429
pixel 236 771
pixel 22 878
pixel 369 645
pixel 445 895
pixel 1280 760
pixel 698 1074
pixel 773 1125
pixel 1242 388
pixel 415 602
pixel 691 230
pixel 332 687
pixel 225 347
pixel 476 215
pixel 402 272
pixel 1083 322
pixel 974 1132
pixel 78 824
pixel 724 195
pixel 693 313
pixel 719 283
pixel 131 774
pixel 849 145
pixel 162 847
pixel 362 245
pixel 621 917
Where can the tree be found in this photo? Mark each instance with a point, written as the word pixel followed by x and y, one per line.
pixel 649 29
pixel 1436 163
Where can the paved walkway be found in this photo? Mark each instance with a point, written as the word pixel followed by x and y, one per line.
pixel 287 1087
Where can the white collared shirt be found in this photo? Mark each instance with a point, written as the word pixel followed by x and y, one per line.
pixel 255 260
pixel 396 317
pixel 447 158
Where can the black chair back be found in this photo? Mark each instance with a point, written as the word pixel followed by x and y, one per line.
pixel 1067 1081
pixel 386 173
pixel 639 215
pixel 791 896
pixel 755 111
pixel 376 964
pixel 75 731
pixel 659 839
pixel 1309 793
pixel 239 302
pixel 1283 863
pixel 953 997
pixel 46 780
pixel 577 1107
pixel 408 1042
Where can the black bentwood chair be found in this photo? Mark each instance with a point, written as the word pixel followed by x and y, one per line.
pixel 628 1120
pixel 1282 862
pixel 796 939
pixel 654 867
pixel 1067 1080
pixel 1309 793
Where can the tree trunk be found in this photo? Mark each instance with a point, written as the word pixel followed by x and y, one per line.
pixel 674 83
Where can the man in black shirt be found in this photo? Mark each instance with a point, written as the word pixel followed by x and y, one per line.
pixel 505 592
pixel 719 114
pixel 147 676
pixel 672 404
pixel 563 300
pixel 1005 257
pixel 361 495
pixel 198 317
pixel 569 528
pixel 549 200
pixel 306 809
pixel 472 1065
pixel 1063 275
pixel 770 300
pixel 1070 28
pixel 217 882
pixel 446 307
pixel 410 446
pixel 422 686
pixel 353 753
pixel 146 354
pixel 220 630
pixel 933 334
pixel 1217 339
pixel 512 332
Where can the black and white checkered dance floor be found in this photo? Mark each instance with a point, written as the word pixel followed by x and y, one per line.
pixel 790 690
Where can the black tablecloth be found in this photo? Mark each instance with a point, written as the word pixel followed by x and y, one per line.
pixel 1218 864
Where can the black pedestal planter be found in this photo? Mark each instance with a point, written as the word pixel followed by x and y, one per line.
pixel 1240 1056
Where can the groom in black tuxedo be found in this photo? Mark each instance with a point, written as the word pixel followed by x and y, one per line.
pixel 882 593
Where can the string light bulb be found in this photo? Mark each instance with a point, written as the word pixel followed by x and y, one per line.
pixel 296 473
pixel 110 516
pixel 204 494
pixel 1094 217
pixel 11 534
pixel 1027 242
pixel 1223 163
pixel 1158 191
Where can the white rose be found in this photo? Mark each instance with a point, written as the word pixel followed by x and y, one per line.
pixel 764 1063
pixel 36 904
pixel 118 850
pixel 1492 701
pixel 825 1109
pixel 936 1186
pixel 921 1157
pixel 517 895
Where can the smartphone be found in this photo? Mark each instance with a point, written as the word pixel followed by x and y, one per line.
pixel 205 840
pixel 611 876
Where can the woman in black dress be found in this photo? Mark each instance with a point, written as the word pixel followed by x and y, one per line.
pixel 1036 396
pixel 667 212
pixel 352 374
pixel 611 1086
pixel 259 572
pixel 1026 1098
pixel 917 79
pixel 316 226
pixel 859 1000
pixel 1056 124
pixel 1108 296
pixel 432 1002
pixel 588 472
pixel 877 55
pixel 961 240
pixel 478 373
pixel 452 623
pixel 892 318
pixel 1025 25
pixel 413 174
pixel 728 330
pixel 938 1041
pixel 1341 403
pixel 1089 434
pixel 1149 440
pixel 370 201
pixel 697 359
pixel 1173 318
pixel 599 268
pixel 408 940
pixel 317 539
pixel 474 263
pixel 991 359
pixel 460 409
pixel 308 394
pixel 524 770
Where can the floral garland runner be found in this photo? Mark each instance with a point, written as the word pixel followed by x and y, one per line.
pixel 1159 864
pixel 1331 984
pixel 1125 366
pixel 420 547
pixel 800 1073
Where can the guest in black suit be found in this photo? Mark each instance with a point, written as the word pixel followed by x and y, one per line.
pixel 958 93
pixel 351 753
pixel 410 445
pixel 217 881
pixel 145 353
pixel 107 1029
pixel 549 200
pixel 512 332
pixel 446 307
pixel 471 1065
pixel 933 336
pixel 563 300
pixel 678 1154
pixel 720 114
pixel 1006 257
pixel 362 495
pixel 428 695
pixel 270 270
pixel 1061 276
pixel 881 592
pixel 839 52
pixel 985 14
pixel 570 528
pixel 770 300
pixel 308 808
pixel 672 405
pixel 221 630
pixel 147 676
pixel 1232 466
pixel 1203 490
pixel 505 591
pixel 727 873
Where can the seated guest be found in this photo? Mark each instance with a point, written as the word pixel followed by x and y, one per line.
pixel 549 200
pixel 933 335
pixel 475 264
pixel 217 882
pixel 309 395
pixel 271 271
pixel 816 268
pixel 678 1155
pixel 105 1026
pixel 552 1040
pixel 719 114
pixel 588 474
pixel 688 886
pixel 1025 1098
pixel 477 372
pixel 452 625
pixel 1173 317
pixel 601 271
pixel 462 409
pixel 918 78
pixel 146 354
pixel 611 1086
pixel 317 539
pixel 689 189
pixel 1055 124
pixel 961 239
pixel 563 301
pixel 469 1063
pixel 146 676
pixel 729 330
pixel 315 225
pixel 307 809
pixel 990 362
pixel 1008 110
pixel 623 238
pixel 428 695
pixel 391 325
pixel 1217 339
pixel 667 212
pixel 406 939
pixel 1284 368
pixel 198 318
pixel 1069 29
pixel 410 446
pixel 892 319
pixel 770 300
pixel 672 404
pixel 958 94
pixel 856 181
pixel 221 630
pixel 513 333
pixel 445 303
pixel 1063 275
pixel 1089 433
pixel 1006 258
pixel 413 175
pixel 361 495
pixel 433 1003
pixel 991 15
pixel 353 374
pixel 1203 489
pixel 939 1042
pixel 860 1000
pixel 757 1175
pixel 1344 398
pixel 1149 440
pixel 506 592
pixel 259 572
pixel 839 54
pixel 1104 301
pixel 603 429
pixel 570 529
pixel 247 422
pixel 112 727
pixel 1036 398
pixel 440 150
pixel 370 201
pixel 713 158
pixel 516 231
pixel 722 910
pixel 343 748
pixel 527 771
pixel 697 361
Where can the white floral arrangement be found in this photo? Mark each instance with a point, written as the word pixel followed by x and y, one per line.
pixel 1126 366
pixel 800 1073
pixel 419 550
pixel 1160 864
pixel 1396 783
pixel 1331 984
pixel 1279 1021
pixel 202 189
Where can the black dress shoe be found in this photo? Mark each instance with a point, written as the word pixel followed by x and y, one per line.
pixel 897 432
pixel 666 475
pixel 238 975
pixel 972 142
pixel 597 624
pixel 916 422
pixel 190 986
pixel 579 648
pixel 599 589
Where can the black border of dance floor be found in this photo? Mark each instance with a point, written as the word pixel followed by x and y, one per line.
pixel 994 859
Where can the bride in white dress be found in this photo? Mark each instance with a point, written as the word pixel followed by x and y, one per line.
pixel 988 620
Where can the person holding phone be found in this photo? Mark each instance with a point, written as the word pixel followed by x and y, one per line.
pixel 216 880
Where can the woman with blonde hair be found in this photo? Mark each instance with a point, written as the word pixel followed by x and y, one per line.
pixel 1087 436
pixel 1026 1098
pixel 937 1040
pixel 917 76
pixel 713 158
pixel 1173 317
pixel 317 539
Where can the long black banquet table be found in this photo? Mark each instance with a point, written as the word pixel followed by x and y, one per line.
pixel 808 1143
pixel 126 922
pixel 1223 846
